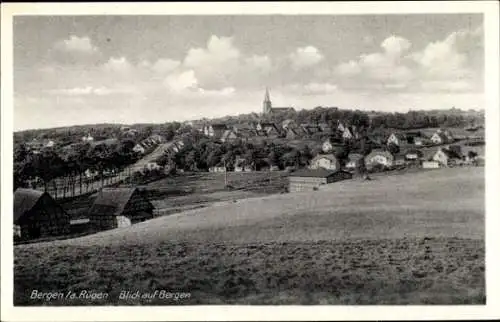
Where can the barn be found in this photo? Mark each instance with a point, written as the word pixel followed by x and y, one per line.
pixel 37 214
pixel 308 180
pixel 119 207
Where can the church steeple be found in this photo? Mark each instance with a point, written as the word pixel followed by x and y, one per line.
pixel 266 105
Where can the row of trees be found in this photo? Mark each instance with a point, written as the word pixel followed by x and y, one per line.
pixel 49 164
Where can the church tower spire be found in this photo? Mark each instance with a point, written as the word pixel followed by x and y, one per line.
pixel 266 105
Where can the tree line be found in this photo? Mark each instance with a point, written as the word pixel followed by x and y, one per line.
pixel 49 164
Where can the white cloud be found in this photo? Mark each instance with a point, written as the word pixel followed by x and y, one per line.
pixel 165 65
pixel 76 44
pixel 181 81
pixel 447 86
pixel 226 91
pixel 120 64
pixel 260 63
pixel 320 88
pixel 384 66
pixel 216 64
pixel 441 59
pixel 90 90
pixel 349 69
pixel 305 57
pixel 312 88
pixel 219 51
pixel 395 46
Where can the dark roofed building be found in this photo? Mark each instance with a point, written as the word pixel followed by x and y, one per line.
pixel 119 207
pixel 308 180
pixel 37 214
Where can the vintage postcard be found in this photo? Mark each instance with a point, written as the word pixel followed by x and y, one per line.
pixel 255 161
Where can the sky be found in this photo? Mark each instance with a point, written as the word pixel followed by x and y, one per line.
pixel 72 70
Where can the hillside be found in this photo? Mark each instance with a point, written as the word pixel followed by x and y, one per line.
pixel 413 238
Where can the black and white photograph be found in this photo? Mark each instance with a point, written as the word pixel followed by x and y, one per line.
pixel 179 159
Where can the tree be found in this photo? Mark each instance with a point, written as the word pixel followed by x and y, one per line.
pixel 290 158
pixel 393 148
pixel 472 155
pixel 47 165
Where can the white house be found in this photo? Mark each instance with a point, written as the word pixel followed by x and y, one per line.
pixel 439 138
pixel 87 138
pixel 418 141
pixel 288 123
pixel 445 156
pixel 413 155
pixel 327 146
pixel 442 137
pixel 347 134
pixel 49 144
pixel 430 164
pixel 397 139
pixel 379 157
pixel 228 136
pixel 341 127
pixel 138 148
pixel 152 166
pixel 325 161
pixel 217 169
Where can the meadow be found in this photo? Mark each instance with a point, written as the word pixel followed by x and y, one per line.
pixel 416 238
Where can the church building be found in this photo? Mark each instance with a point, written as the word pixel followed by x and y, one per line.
pixel 267 107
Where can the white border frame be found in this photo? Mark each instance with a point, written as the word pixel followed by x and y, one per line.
pixel 490 10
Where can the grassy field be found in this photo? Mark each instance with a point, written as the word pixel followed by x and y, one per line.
pixel 416 238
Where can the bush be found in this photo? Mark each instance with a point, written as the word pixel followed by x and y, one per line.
pixel 377 167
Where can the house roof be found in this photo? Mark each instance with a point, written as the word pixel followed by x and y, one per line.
pixel 109 141
pixel 219 126
pixel 355 156
pixel 287 122
pixel 227 133
pixel 267 124
pixel 428 153
pixel 24 201
pixel 112 201
pixel 329 156
pixel 282 109
pixel 387 154
pixel 441 135
pixel 414 151
pixel 314 173
pixel 399 135
pixel 451 154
